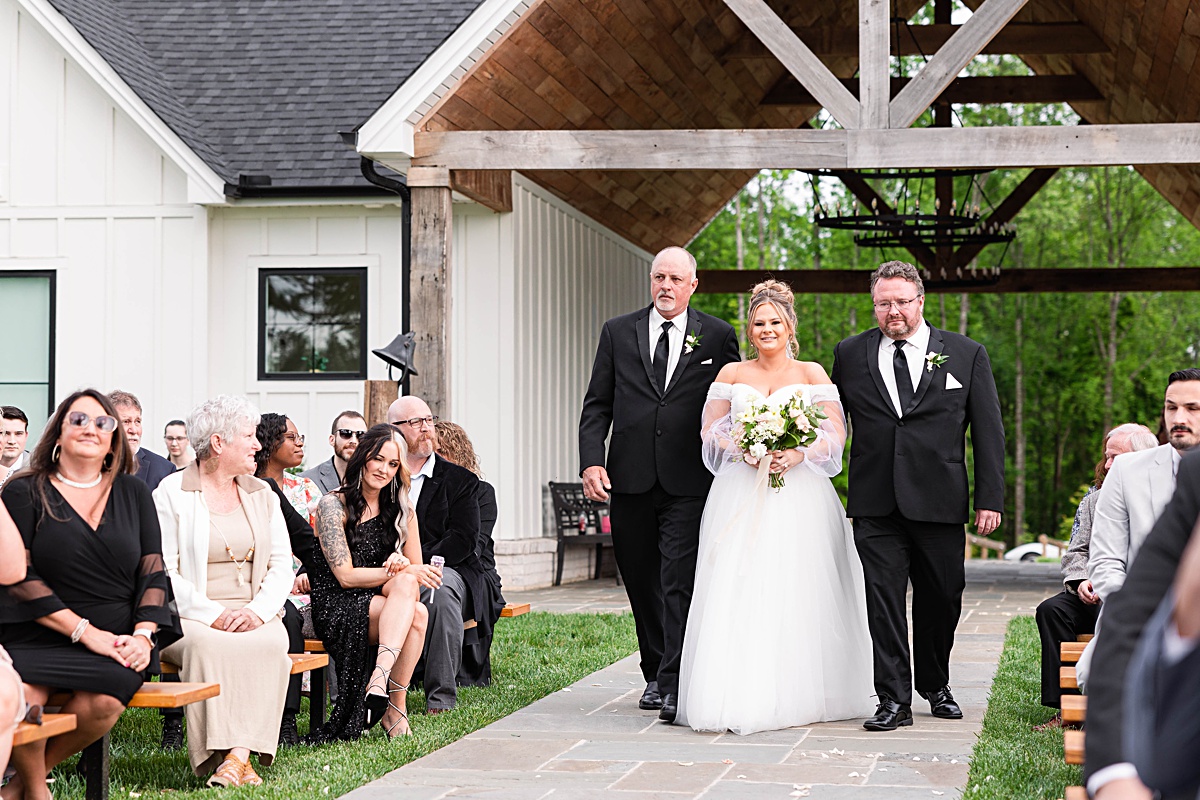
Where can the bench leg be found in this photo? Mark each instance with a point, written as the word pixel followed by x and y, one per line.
pixel 95 765
pixel 562 555
pixel 316 699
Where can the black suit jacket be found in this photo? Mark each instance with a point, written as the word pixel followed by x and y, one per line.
pixel 916 463
pixel 448 518
pixel 152 468
pixel 655 435
pixel 1127 612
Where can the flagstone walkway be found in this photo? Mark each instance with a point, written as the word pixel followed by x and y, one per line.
pixel 591 741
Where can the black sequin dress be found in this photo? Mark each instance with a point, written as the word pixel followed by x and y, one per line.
pixel 342 618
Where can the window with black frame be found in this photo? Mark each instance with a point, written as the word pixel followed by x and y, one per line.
pixel 312 323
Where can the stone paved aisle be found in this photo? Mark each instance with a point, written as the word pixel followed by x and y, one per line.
pixel 591 741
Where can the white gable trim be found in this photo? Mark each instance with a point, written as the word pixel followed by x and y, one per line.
pixel 390 129
pixel 204 185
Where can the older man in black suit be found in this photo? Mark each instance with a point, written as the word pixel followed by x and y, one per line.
pixel 445 496
pixel 910 392
pixel 152 467
pixel 649 381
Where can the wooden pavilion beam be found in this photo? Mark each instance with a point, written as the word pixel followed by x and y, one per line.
pixel 942 68
pixel 873 91
pixel 1015 38
pixel 987 148
pixel 798 59
pixel 990 90
pixel 1010 281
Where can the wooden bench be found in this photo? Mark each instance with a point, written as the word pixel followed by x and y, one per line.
pixel 1076 793
pixel 52 725
pixel 1069 652
pixel 314 662
pixel 301 663
pixel 1074 708
pixel 1066 678
pixel 570 506
pixel 1073 746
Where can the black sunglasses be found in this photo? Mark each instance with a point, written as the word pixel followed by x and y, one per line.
pixel 346 433
pixel 103 422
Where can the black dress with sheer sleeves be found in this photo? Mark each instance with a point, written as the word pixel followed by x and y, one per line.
pixel 342 618
pixel 112 576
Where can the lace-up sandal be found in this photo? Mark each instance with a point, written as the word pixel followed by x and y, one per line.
pixel 229 773
pixel 401 709
pixel 377 701
pixel 249 776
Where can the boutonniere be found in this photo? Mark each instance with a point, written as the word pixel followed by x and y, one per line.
pixel 691 342
pixel 933 359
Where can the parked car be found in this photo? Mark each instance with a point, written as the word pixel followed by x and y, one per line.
pixel 1032 551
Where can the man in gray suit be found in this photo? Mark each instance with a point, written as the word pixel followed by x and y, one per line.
pixel 348 428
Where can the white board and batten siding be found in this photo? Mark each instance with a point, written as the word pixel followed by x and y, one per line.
pixel 84 193
pixel 249 238
pixel 531 290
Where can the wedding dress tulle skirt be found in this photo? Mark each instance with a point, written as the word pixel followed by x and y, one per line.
pixel 777 634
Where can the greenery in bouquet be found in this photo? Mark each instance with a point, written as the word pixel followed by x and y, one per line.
pixel 762 429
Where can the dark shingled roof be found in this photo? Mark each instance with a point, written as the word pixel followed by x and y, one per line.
pixel 262 87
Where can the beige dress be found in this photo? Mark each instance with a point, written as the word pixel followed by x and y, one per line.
pixel 252 667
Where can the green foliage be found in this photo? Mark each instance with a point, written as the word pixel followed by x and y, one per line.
pixel 1010 759
pixel 532 656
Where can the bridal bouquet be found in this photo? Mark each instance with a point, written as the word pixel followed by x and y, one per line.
pixel 762 428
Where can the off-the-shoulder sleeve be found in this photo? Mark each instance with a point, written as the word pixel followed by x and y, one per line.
pixel 823 392
pixel 718 447
pixel 824 456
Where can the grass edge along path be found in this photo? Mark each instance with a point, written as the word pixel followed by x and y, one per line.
pixel 1011 760
pixel 532 656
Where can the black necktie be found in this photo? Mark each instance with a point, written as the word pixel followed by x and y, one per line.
pixel 661 355
pixel 904 387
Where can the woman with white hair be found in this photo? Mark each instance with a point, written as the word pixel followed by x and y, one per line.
pixel 227 552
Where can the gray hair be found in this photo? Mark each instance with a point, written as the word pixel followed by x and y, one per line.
pixel 221 416
pixel 1134 436
pixel 665 250
pixel 898 269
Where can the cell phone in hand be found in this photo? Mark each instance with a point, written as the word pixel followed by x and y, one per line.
pixel 439 562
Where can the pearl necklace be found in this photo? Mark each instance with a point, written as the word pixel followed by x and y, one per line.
pixel 77 484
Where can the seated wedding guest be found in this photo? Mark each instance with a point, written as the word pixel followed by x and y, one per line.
pixel 1162 689
pixel 14 433
pixel 282 449
pixel 226 549
pixel 445 497
pixel 1108 772
pixel 455 446
pixel 1071 612
pixel 12 695
pixel 348 428
pixel 179 452
pixel 152 467
pixel 95 593
pixel 365 580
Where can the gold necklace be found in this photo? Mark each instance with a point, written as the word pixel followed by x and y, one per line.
pixel 241 580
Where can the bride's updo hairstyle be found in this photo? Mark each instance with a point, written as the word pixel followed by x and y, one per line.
pixel 779 295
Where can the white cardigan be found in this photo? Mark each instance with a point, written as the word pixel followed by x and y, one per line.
pixel 183 517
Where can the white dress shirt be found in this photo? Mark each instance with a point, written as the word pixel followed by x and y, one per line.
pixel 675 337
pixel 418 479
pixel 914 351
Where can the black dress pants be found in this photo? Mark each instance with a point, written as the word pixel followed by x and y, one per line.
pixel 895 550
pixel 1061 618
pixel 293 623
pixel 655 539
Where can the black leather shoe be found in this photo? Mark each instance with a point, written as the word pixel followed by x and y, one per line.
pixel 172 734
pixel 669 707
pixel 651 699
pixel 942 704
pixel 889 715
pixel 288 735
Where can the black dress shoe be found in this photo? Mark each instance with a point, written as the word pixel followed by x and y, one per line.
pixel 669 707
pixel 288 735
pixel 651 699
pixel 172 734
pixel 889 715
pixel 942 703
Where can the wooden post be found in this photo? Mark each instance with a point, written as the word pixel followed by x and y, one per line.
pixel 377 396
pixel 429 285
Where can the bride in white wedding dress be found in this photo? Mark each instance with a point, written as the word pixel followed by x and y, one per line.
pixel 777 633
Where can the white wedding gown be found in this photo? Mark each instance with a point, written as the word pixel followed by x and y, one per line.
pixel 777 634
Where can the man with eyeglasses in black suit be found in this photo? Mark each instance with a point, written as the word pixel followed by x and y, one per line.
pixel 348 428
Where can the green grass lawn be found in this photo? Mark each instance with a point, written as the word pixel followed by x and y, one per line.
pixel 1011 760
pixel 532 656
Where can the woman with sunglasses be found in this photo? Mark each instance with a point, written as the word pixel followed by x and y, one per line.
pixel 95 593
